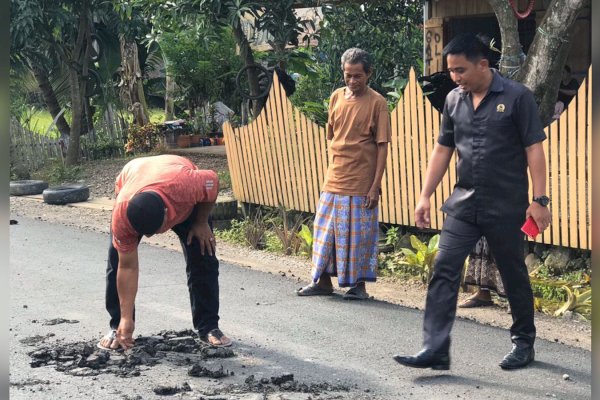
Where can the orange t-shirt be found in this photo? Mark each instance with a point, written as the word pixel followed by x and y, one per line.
pixel 355 127
pixel 180 184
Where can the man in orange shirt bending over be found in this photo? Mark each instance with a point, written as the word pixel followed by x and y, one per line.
pixel 153 195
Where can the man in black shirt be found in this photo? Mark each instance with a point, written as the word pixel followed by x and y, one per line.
pixel 493 123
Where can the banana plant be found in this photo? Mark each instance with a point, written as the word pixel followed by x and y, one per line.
pixel 579 302
pixel 423 256
pixel 307 240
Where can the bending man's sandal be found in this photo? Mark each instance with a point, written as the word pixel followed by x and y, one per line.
pixel 216 338
pixel 110 338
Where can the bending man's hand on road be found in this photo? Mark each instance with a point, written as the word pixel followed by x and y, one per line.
pixel 125 333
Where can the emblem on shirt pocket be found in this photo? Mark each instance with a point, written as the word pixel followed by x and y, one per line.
pixel 500 108
pixel 210 184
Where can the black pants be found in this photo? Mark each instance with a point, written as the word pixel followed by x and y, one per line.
pixel 202 279
pixel 457 239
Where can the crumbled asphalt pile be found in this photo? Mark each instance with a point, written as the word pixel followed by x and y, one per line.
pixel 286 383
pixel 165 390
pixel 85 359
pixel 199 370
pixel 57 321
pixel 179 348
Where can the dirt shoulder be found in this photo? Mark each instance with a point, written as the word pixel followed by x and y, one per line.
pixel 94 215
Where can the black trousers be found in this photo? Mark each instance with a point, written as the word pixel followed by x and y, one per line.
pixel 506 243
pixel 202 279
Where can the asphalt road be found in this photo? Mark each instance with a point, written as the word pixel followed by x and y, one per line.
pixel 58 272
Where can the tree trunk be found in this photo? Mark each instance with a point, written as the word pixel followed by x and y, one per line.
pixel 77 117
pixel 169 94
pixel 248 58
pixel 51 101
pixel 541 70
pixel 548 54
pixel 512 52
pixel 78 74
pixel 132 88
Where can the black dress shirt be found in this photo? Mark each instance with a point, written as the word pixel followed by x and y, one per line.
pixel 490 142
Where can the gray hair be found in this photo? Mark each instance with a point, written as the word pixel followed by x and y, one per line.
pixel 355 55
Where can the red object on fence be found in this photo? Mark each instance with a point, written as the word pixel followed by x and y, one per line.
pixel 524 14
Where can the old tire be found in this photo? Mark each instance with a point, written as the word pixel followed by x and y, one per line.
pixel 64 194
pixel 27 187
pixel 225 208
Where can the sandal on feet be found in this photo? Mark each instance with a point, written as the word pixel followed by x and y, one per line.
pixel 111 337
pixel 314 290
pixel 216 338
pixel 475 302
pixel 356 293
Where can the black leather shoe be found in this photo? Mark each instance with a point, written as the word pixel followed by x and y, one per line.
pixel 519 357
pixel 425 359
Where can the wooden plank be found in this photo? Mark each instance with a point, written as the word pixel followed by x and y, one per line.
pixel 546 236
pixel 282 198
pixel 249 170
pixel 318 138
pixel 390 172
pixel 385 205
pixel 589 160
pixel 299 160
pixel 304 163
pixel 396 167
pixel 262 160
pixel 231 160
pixel 286 142
pixel 403 165
pixel 242 148
pixel 235 143
pixel 423 148
pixel 258 171
pixel 325 156
pixel 290 136
pixel 439 195
pixel 411 158
pixel 564 190
pixel 312 154
pixel 572 173
pixel 581 100
pixel 426 151
pixel 552 132
pixel 284 166
pixel 267 159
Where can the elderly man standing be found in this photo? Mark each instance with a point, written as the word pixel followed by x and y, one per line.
pixel 494 125
pixel 346 225
pixel 153 195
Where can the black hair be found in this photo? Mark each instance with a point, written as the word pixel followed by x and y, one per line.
pixel 146 212
pixel 355 55
pixel 473 46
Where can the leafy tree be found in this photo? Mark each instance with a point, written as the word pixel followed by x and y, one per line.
pixel 205 67
pixel 277 17
pixel 391 31
pixel 62 31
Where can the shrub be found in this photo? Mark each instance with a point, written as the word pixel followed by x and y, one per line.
pixel 143 139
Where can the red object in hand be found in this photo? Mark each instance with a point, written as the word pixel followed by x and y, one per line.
pixel 530 228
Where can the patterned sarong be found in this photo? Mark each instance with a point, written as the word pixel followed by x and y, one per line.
pixel 345 239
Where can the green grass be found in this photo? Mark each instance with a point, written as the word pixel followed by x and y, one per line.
pixel 38 120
